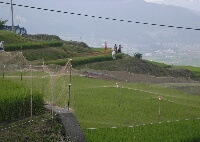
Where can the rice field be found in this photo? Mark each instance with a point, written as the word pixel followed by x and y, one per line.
pixel 18 101
pixel 110 111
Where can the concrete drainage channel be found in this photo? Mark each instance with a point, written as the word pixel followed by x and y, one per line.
pixel 69 123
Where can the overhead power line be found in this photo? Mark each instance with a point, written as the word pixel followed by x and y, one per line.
pixel 113 19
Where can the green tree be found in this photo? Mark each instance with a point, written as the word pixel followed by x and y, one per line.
pixel 138 55
pixel 2 23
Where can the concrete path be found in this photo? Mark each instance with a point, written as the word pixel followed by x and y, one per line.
pixel 69 123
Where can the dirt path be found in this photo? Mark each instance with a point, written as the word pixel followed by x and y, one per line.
pixel 9 58
pixel 124 76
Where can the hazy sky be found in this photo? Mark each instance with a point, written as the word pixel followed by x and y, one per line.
pixel 190 4
pixel 25 16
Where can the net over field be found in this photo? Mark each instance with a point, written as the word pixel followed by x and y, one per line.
pixel 106 108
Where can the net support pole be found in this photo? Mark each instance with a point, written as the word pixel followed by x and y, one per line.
pixel 31 92
pixel 70 68
pixel 159 99
pixel 11 5
pixel 69 98
pixel 52 95
pixel 4 71
pixel 21 74
pixel 70 71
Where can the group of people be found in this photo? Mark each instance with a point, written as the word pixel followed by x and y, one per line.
pixel 119 49
pixel 115 49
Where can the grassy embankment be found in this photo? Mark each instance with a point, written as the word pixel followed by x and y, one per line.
pixel 38 48
pixel 195 70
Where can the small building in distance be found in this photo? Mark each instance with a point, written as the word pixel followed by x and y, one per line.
pixel 17 29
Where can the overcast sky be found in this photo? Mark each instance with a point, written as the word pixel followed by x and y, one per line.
pixel 190 4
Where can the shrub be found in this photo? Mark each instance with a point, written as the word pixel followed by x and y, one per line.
pixel 2 23
pixel 138 55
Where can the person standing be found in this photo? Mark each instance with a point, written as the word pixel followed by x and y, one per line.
pixel 120 49
pixel 1 45
pixel 115 47
pixel 105 46
pixel 113 54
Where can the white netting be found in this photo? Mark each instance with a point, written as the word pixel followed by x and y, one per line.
pixel 50 80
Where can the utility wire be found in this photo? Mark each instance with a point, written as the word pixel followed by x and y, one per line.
pixel 113 19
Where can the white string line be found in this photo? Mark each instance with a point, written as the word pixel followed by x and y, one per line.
pixel 64 68
pixel 114 127
pixel 143 91
pixel 46 69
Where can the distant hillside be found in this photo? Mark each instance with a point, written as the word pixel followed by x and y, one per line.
pixel 42 46
pixel 42 37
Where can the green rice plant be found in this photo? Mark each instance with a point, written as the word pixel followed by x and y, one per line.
pixel 182 131
pixel 98 103
pixel 15 101
pixel 106 106
pixel 101 104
